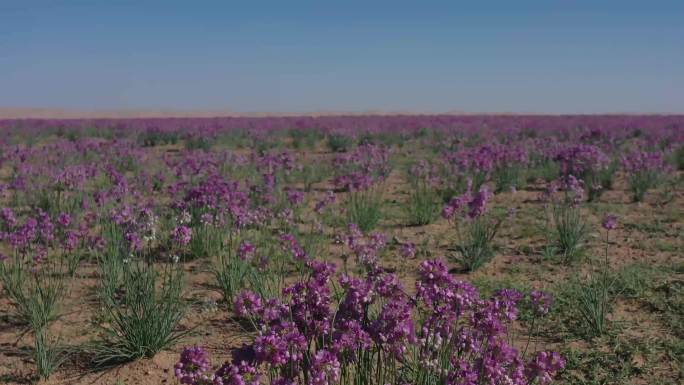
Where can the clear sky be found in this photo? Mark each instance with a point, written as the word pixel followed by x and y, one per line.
pixel 294 56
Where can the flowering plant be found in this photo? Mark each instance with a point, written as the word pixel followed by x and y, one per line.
pixel 370 331
pixel 645 170
pixel 476 228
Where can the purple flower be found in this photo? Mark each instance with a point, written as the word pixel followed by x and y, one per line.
pixel 70 240
pixel 609 222
pixel 237 374
pixel 408 250
pixel 393 329
pixel 246 251
pixel 64 219
pixel 349 337
pixel 290 244
pixel 580 159
pixel 247 304
pixel 543 367
pixel 7 215
pixel 192 366
pixel 277 348
pixel 541 302
pixel 478 205
pixel 448 211
pixel 325 369
pixel 642 161
pixel 134 241
pixel 325 202
pixel 295 197
pixel 182 235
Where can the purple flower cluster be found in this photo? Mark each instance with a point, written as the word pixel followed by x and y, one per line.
pixel 609 222
pixel 470 205
pixel 246 251
pixel 639 161
pixel 365 248
pixel 327 200
pixel 181 235
pixel 580 159
pixel 571 187
pixel 363 168
pixel 193 369
pixel 310 336
pixel 290 244
pixel 541 302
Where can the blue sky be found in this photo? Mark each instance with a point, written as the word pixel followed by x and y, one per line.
pixel 294 56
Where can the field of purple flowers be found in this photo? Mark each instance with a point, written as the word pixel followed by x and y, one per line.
pixel 426 250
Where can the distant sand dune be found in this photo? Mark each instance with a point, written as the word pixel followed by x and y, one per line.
pixel 55 113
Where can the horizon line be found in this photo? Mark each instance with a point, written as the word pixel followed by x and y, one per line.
pixel 10 113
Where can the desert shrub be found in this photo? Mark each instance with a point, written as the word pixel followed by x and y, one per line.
pixel 364 207
pixel 152 138
pixel 36 296
pixel 339 142
pixel 606 176
pixel 569 231
pixel 142 318
pixel 509 177
pixel 234 270
pixel 423 205
pixel 305 138
pixel 566 229
pixel 310 174
pixel 545 169
pixel 476 228
pixel 47 354
pixel 645 170
pixel 594 293
pixel 678 157
pixel 424 200
pixel 199 142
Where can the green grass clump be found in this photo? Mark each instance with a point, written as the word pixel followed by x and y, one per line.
pixel 143 316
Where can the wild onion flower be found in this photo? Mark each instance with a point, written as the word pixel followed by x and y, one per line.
pixel 408 250
pixel 280 347
pixel 247 305
pixel 325 369
pixel 394 329
pixel 182 235
pixel 609 222
pixel 327 200
pixel 541 302
pixel 192 366
pixel 7 215
pixel 71 240
pixel 64 219
pixel 471 205
pixel 246 251
pixel 543 367
pixel 289 244
pixel 294 197
pixel 237 374
pixel 478 204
